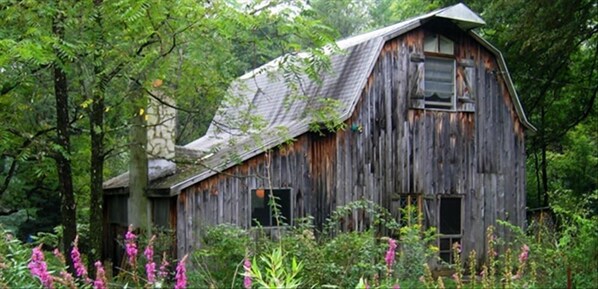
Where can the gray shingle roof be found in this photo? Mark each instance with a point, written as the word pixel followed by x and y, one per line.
pixel 266 95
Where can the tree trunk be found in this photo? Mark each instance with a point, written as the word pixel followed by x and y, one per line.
pixel 544 162
pixel 67 198
pixel 96 125
pixel 138 167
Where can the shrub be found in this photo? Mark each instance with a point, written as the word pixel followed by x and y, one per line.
pixel 218 263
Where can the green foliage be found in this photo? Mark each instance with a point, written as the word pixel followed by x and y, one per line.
pixel 571 246
pixel 416 250
pixel 223 249
pixel 14 257
pixel 274 270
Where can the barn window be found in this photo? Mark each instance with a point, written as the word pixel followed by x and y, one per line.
pixel 262 212
pixel 439 76
pixel 450 226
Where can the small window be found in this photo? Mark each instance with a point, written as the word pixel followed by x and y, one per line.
pixel 439 72
pixel 450 226
pixel 438 44
pixel 439 82
pixel 262 213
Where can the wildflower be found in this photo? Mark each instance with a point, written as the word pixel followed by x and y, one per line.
pixel 39 268
pixel 59 255
pixel 522 260
pixel 390 254
pixel 247 279
pixel 80 270
pixel 181 276
pixel 131 246
pixel 100 282
pixel 68 279
pixel 524 254
pixel 163 272
pixel 150 267
pixel 457 247
pixel 396 286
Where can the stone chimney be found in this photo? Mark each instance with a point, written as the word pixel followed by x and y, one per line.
pixel 161 123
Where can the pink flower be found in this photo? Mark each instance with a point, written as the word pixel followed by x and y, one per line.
pixel 130 245
pixel 390 254
pixel 457 246
pixel 247 279
pixel 59 255
pixel 150 267
pixel 80 270
pixel 39 268
pixel 396 286
pixel 100 282
pixel 67 277
pixel 524 254
pixel 181 275
pixel 163 272
pixel 150 270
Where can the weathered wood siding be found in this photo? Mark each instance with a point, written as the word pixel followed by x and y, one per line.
pixel 477 154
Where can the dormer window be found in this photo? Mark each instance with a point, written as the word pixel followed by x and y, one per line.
pixel 439 77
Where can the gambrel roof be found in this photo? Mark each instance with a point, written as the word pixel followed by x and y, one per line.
pixel 282 103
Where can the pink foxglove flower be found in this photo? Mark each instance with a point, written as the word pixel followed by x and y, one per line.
pixel 100 282
pixel 130 245
pixel 396 286
pixel 524 254
pixel 80 270
pixel 39 268
pixel 181 275
pixel 390 253
pixel 247 279
pixel 59 255
pixel 163 271
pixel 150 266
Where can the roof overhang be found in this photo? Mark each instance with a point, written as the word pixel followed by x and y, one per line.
pixel 462 16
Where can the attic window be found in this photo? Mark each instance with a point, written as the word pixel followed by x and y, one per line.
pixel 262 213
pixel 439 76
pixel 438 44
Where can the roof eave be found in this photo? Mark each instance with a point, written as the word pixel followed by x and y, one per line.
pixel 461 15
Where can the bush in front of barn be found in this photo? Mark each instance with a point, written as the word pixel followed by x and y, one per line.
pixel 300 256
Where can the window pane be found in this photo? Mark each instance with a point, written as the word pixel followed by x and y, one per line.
pixel 260 209
pixel 439 80
pixel 260 212
pixel 450 216
pixel 430 44
pixel 446 45
pixel 284 202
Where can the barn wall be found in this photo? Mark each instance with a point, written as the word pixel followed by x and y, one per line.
pixel 477 154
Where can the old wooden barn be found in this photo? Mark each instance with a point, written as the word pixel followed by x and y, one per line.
pixel 431 118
